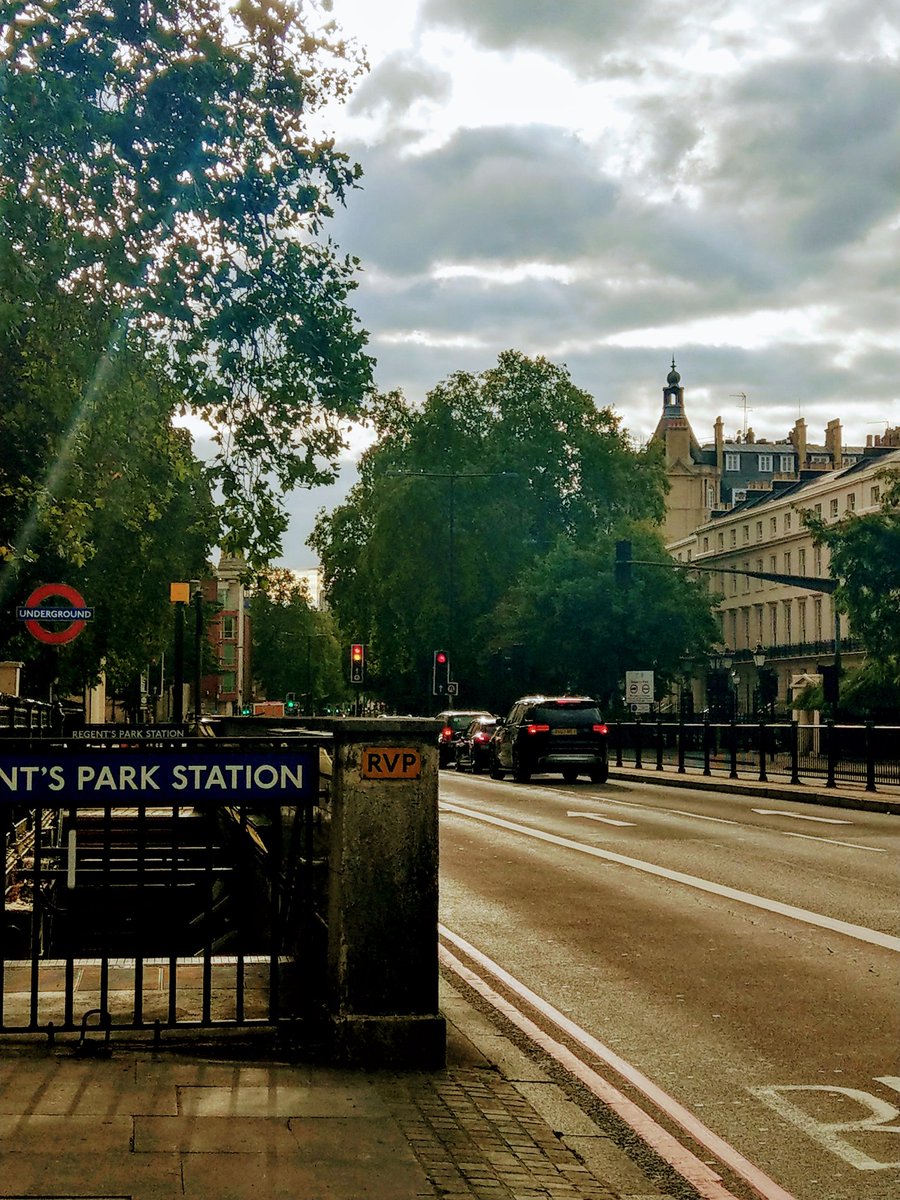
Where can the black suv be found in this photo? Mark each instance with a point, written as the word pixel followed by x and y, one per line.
pixel 544 734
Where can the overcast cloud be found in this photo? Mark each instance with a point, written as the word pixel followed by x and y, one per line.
pixel 613 184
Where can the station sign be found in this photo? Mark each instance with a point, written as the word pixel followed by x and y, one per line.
pixel 122 734
pixel 35 611
pixel 160 777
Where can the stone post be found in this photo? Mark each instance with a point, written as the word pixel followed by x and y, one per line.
pixel 383 893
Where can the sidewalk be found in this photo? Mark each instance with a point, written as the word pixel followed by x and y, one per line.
pixel 885 800
pixel 216 1121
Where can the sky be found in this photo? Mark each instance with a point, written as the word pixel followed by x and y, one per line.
pixel 612 184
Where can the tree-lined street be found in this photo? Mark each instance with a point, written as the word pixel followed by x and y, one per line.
pixel 741 953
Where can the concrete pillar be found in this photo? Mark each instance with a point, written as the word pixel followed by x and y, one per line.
pixel 383 893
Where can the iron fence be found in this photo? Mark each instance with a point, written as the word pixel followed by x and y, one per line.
pixel 863 755
pixel 155 887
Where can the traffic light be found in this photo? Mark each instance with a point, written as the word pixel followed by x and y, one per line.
pixel 623 563
pixel 357 663
pixel 440 675
pixel 290 702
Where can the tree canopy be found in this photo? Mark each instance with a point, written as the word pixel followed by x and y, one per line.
pixel 158 163
pixel 502 490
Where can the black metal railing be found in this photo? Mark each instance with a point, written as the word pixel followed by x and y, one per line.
pixel 156 914
pixel 866 755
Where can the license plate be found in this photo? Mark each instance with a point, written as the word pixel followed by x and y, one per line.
pixel 564 732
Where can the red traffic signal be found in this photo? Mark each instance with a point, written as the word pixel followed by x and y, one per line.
pixel 440 675
pixel 357 663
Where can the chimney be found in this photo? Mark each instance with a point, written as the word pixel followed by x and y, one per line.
pixel 797 439
pixel 833 443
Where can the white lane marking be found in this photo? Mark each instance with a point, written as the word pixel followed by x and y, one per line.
pixel 873 936
pixel 595 817
pixel 878 1118
pixel 811 837
pixel 707 1182
pixel 782 812
pixel 702 817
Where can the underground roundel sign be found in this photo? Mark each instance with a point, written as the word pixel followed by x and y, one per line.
pixel 68 606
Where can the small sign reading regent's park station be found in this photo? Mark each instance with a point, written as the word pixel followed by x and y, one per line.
pixel 135 777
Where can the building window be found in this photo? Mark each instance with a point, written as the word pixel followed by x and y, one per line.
pixel 817 509
pixel 745 533
pixel 228 628
pixel 787 522
pixel 801 618
pixel 764 462
pixel 787 562
pixel 773 525
pixel 786 463
pixel 875 495
pixel 759 582
pixel 760 624
pixel 229 654
pixel 732 462
pixel 228 682
pixel 801 562
pixel 773 564
pixel 851 501
pixel 746 578
pixel 773 624
pixel 721 540
pixel 788 630
pixel 733 536
pixel 833 507
pixel 817 561
pixel 706 543
pixel 738 494
pixel 759 531
pixel 745 612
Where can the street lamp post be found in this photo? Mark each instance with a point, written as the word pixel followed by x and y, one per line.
pixel 759 661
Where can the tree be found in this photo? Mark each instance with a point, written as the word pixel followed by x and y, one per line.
pixel 295 646
pixel 157 165
pixel 458 500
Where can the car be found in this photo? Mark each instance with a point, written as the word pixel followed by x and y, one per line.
pixel 549 734
pixel 473 750
pixel 454 722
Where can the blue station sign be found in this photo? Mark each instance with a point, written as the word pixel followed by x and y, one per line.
pixel 133 777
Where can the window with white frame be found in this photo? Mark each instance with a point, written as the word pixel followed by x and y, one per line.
pixel 732 462
pixel 785 463
pixel 851 501
pixel 833 507
pixel 787 522
pixel 228 627
pixel 764 462
pixel 759 531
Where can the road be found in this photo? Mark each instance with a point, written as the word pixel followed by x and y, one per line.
pixel 743 954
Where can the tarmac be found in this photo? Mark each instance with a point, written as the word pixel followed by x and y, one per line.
pixel 228 1120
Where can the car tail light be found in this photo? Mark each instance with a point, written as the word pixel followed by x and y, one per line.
pixel 481 738
pixel 446 733
pixel 532 729
pixel 604 729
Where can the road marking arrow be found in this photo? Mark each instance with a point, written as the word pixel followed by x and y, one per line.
pixel 594 817
pixel 779 812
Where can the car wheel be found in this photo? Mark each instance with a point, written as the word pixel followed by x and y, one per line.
pixel 520 774
pixel 600 775
pixel 477 768
pixel 570 774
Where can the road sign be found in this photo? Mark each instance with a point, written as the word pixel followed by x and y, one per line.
pixel 34 611
pixel 639 689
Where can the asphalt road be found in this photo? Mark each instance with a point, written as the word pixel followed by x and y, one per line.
pixel 744 954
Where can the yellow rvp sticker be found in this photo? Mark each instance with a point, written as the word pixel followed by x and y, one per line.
pixel 391 762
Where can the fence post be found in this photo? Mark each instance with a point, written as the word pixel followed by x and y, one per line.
pixel 831 751
pixel 706 736
pixel 680 736
pixel 870 757
pixel 637 743
pixel 733 773
pixel 659 745
pixel 795 752
pixel 763 778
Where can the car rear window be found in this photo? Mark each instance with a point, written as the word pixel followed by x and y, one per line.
pixel 565 714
